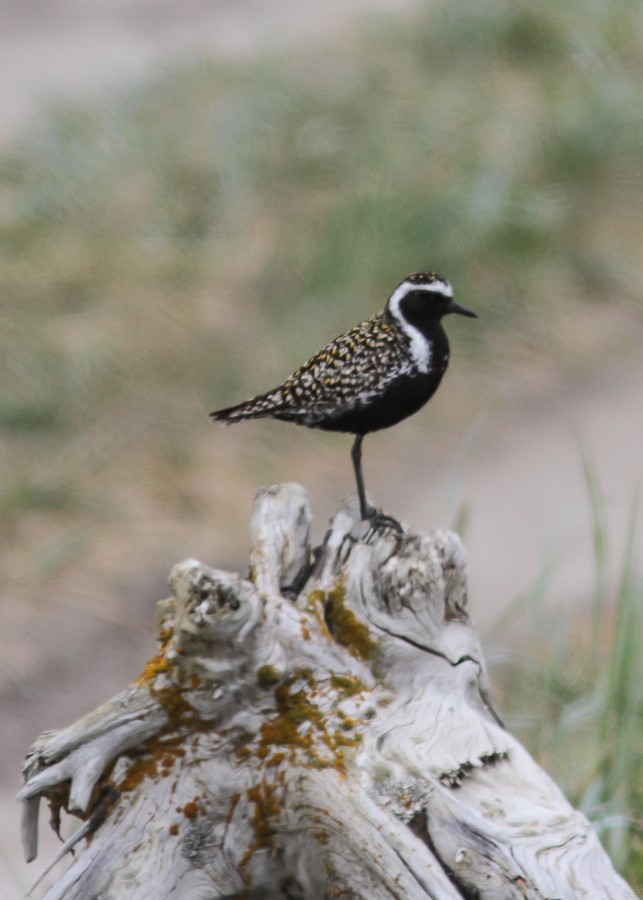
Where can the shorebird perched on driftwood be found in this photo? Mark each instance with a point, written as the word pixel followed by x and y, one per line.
pixel 371 377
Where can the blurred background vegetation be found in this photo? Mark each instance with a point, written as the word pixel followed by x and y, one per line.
pixel 187 244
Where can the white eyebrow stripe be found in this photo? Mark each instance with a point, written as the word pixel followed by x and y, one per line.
pixel 436 287
pixel 420 347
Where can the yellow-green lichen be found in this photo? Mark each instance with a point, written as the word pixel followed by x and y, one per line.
pixel 294 709
pixel 348 723
pixel 304 727
pixel 345 627
pixel 267 676
pixel 348 685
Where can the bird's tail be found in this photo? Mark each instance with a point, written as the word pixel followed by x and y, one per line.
pixel 257 408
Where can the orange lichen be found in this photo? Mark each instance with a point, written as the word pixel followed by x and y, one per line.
pixel 157 758
pixel 242 751
pixel 177 708
pixel 170 696
pixel 173 829
pixel 267 808
pixel 157 665
pixel 191 809
pixel 276 759
pixel 137 771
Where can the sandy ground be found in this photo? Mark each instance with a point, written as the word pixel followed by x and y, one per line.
pixel 524 487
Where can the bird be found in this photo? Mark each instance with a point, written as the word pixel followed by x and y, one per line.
pixel 372 377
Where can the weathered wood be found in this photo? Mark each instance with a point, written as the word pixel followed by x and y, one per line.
pixel 322 729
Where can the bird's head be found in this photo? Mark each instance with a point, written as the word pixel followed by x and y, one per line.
pixel 424 296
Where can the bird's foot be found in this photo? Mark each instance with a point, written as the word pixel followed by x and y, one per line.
pixel 380 521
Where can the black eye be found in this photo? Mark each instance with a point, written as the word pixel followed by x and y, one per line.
pixel 426 298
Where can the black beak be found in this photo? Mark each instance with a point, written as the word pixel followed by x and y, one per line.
pixel 461 310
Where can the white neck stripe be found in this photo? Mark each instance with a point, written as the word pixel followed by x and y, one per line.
pixel 420 347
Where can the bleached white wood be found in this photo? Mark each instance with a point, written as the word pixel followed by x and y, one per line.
pixel 281 533
pixel 321 729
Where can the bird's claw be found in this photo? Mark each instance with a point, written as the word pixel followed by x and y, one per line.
pixel 379 521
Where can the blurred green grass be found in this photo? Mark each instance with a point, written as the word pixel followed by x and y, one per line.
pixel 574 695
pixel 187 245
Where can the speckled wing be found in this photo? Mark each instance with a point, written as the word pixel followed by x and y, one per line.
pixel 345 374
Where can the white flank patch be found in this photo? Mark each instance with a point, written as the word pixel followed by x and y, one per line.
pixel 420 347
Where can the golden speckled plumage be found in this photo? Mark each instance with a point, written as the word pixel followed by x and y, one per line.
pixel 349 370
pixel 371 377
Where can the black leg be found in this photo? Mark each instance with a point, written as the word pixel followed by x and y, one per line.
pixel 356 455
pixel 377 519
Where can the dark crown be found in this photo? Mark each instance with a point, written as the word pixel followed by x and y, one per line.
pixel 424 278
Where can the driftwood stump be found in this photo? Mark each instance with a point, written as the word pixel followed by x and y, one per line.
pixel 320 729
